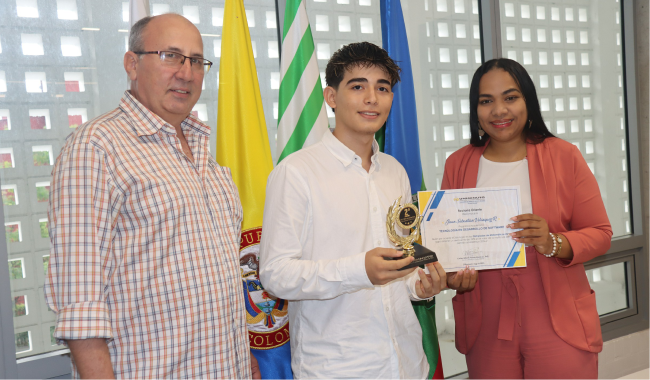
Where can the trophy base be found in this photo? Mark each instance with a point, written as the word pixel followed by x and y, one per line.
pixel 422 256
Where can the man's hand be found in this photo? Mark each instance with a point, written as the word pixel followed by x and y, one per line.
pixel 433 283
pixel 462 281
pixel 382 271
pixel 255 368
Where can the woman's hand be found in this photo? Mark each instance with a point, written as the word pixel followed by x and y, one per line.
pixel 535 232
pixel 462 281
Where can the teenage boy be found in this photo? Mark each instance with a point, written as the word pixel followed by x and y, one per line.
pixel 324 243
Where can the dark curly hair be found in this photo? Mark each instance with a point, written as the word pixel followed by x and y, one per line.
pixel 538 130
pixel 361 54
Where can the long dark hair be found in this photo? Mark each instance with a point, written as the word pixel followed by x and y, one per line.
pixel 538 130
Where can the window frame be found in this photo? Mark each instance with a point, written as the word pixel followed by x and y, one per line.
pixel 631 249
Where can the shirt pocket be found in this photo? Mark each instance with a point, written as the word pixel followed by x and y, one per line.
pixel 586 308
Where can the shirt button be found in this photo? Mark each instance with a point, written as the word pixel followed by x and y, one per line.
pixel 374 209
pixel 387 308
pixel 378 242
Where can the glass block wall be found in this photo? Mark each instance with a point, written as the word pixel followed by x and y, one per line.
pixel 335 23
pixel 572 49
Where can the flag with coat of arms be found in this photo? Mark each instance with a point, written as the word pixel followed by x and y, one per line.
pixel 243 146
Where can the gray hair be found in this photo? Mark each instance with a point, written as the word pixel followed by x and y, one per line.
pixel 135 36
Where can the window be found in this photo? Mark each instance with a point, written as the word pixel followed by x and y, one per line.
pixel 159 9
pixel 70 46
pixel 323 51
pixel 273 49
pixel 74 82
pixel 10 198
pixel 250 17
pixel 191 12
pixel 322 23
pixel 270 20
pixel 582 96
pixel 51 91
pixel 27 8
pixel 32 44
pixel 125 11
pixel 40 119
pixel 443 29
pixel 217 47
pixel 3 81
pixel 571 44
pixel 200 111
pixel 344 24
pixel 366 25
pixel 66 9
pixel 76 117
pixel 35 81
pixel 217 16
pixel 5 120
pixel 552 39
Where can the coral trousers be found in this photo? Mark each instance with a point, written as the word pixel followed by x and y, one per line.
pixel 517 339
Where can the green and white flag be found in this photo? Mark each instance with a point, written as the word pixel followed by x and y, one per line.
pixel 302 118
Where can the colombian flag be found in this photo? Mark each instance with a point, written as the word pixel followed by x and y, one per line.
pixel 243 146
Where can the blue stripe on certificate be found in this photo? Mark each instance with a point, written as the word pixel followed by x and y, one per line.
pixel 434 202
pixel 510 261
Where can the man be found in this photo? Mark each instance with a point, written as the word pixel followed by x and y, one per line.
pixel 144 225
pixel 324 242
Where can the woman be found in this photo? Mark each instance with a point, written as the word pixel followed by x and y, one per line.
pixel 539 321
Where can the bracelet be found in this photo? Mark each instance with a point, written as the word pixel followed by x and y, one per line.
pixel 557 245
pixel 554 246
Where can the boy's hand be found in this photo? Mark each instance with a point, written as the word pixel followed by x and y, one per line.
pixel 255 369
pixel 463 281
pixel 433 283
pixel 381 271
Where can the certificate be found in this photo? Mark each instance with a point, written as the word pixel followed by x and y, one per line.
pixel 467 227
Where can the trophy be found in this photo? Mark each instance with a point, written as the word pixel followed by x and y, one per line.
pixel 408 217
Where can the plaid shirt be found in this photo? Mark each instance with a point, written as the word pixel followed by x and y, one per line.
pixel 145 248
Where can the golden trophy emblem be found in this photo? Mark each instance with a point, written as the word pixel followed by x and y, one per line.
pixel 408 217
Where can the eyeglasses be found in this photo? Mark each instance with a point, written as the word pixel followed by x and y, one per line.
pixel 174 59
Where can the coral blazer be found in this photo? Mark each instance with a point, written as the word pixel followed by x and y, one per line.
pixel 566 194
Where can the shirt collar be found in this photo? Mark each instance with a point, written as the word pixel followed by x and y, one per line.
pixel 148 123
pixel 347 155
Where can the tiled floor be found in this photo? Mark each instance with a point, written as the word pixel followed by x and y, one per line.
pixel 643 374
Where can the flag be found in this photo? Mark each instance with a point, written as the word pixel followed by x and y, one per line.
pixel 399 138
pixel 302 118
pixel 138 9
pixel 243 146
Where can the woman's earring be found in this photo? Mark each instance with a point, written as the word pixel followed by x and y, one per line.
pixel 530 123
pixel 481 132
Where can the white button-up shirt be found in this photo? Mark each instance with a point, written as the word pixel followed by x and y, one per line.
pixel 323 212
